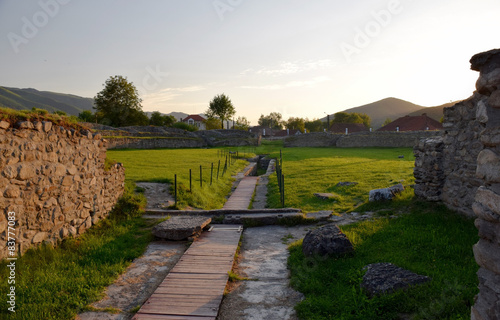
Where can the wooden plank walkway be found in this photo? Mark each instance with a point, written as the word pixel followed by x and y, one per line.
pixel 241 197
pixel 194 288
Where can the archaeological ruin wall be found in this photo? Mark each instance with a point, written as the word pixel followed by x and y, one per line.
pixel 53 183
pixel 462 169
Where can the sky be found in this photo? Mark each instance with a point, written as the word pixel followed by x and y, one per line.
pixel 296 57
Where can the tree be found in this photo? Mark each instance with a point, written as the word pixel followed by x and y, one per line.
pixel 221 107
pixel 345 117
pixel 86 116
pixel 242 123
pixel 212 124
pixel 387 121
pixel 296 124
pixel 315 125
pixel 118 104
pixel 273 121
pixel 157 119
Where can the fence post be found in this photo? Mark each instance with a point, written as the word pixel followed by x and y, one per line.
pixel 283 191
pixel 175 188
pixel 211 173
pixel 218 168
pixel 201 178
pixel 190 184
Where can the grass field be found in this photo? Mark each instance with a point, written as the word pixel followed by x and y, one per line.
pixel 160 165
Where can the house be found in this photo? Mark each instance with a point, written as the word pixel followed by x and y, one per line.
pixel 196 120
pixel 413 123
pixel 347 128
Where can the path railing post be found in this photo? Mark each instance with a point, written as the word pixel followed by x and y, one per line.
pixel 190 180
pixel 201 178
pixel 211 173
pixel 175 188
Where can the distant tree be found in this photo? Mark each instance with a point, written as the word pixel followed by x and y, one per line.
pixel 157 119
pixel 86 116
pixel 346 117
pixel 273 121
pixel 212 123
pixel 118 104
pixel 60 113
pixel 221 107
pixel 242 123
pixel 315 125
pixel 296 124
pixel 387 121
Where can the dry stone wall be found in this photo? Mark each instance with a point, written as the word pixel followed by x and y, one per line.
pixel 53 182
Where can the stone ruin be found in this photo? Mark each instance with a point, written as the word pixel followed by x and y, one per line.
pixel 462 169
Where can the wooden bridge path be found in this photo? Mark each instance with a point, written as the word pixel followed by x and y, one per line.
pixel 194 288
pixel 241 197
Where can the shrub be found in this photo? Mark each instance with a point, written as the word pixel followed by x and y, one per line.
pixel 184 126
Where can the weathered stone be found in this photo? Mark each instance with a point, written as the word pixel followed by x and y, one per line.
pixel 12 192
pixel 24 125
pixel 181 227
pixel 385 278
pixel 326 241
pixel 487 255
pixel 494 99
pixel 10 172
pixel 39 237
pixel 488 230
pixel 38 125
pixel 326 196
pixel 488 166
pixel 489 199
pixel 67 181
pixel 4 125
pixel 26 172
pixel 47 125
pixel 481 112
pixel 346 184
pixel 386 193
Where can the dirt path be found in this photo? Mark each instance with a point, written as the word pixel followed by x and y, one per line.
pixel 264 257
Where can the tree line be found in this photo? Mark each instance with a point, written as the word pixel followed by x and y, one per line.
pixel 118 104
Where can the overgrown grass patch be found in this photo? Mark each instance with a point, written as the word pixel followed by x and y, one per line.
pixel 58 283
pixel 430 240
pixel 160 165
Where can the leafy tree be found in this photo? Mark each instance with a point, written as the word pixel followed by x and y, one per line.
pixel 86 116
pixel 273 121
pixel 157 119
pixel 346 117
pixel 242 123
pixel 212 123
pixel 387 121
pixel 221 107
pixel 315 125
pixel 296 124
pixel 119 105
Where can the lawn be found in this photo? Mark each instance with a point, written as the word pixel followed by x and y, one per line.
pixel 161 165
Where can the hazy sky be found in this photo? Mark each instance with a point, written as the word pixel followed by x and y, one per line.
pixel 297 57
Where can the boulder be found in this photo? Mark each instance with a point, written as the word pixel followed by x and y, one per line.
pixel 326 196
pixel 326 241
pixel 384 278
pixel 385 193
pixel 346 184
pixel 181 227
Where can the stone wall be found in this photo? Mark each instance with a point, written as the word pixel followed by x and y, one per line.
pixel 359 140
pixel 53 182
pixel 487 198
pixel 154 143
pixel 429 171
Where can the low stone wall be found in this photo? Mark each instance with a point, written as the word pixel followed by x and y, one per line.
pixel 54 183
pixel 359 140
pixel 429 171
pixel 154 143
pixel 229 138
pixel 384 139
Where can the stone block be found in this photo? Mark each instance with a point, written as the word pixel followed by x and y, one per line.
pixel 67 181
pixel 487 255
pixel 488 166
pixel 326 241
pixel 385 278
pixel 489 199
pixel 26 171
pixel 47 125
pixel 386 193
pixel 12 192
pixel 4 125
pixel 488 230
pixel 181 227
pixel 24 125
pixel 39 237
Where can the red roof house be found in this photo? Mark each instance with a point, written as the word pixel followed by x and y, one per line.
pixel 346 128
pixel 413 123
pixel 196 120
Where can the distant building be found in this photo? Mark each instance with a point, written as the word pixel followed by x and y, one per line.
pixel 196 120
pixel 413 123
pixel 347 128
pixel 287 132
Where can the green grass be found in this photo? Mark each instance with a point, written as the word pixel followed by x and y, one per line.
pixel 311 170
pixel 430 241
pixel 160 165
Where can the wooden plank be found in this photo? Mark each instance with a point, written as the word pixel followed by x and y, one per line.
pixel 144 316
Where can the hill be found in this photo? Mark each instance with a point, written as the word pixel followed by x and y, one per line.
pixel 435 113
pixel 22 99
